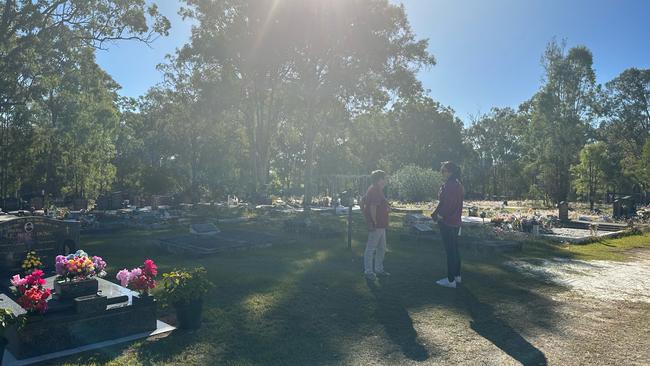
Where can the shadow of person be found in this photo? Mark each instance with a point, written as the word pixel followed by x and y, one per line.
pixel 498 332
pixel 396 322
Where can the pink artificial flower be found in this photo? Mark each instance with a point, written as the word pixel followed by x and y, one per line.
pixel 135 273
pixel 17 281
pixel 124 277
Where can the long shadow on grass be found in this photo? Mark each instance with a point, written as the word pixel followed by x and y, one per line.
pixel 317 310
pixel 419 264
pixel 499 332
pixel 397 322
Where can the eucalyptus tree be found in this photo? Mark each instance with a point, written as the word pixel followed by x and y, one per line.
pixel 497 140
pixel 349 56
pixel 31 33
pixel 593 173
pixel 561 116
pixel 40 41
pixel 242 42
pixel 626 124
pixel 427 133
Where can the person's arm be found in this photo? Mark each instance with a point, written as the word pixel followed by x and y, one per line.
pixel 442 199
pixel 373 215
pixel 450 200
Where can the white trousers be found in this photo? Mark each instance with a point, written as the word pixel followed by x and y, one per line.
pixel 375 248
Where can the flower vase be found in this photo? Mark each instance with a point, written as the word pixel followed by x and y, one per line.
pixel 3 345
pixel 75 288
pixel 189 314
pixel 142 299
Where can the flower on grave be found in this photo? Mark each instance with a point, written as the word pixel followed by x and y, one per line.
pixel 32 296
pixel 100 265
pixel 79 266
pixel 32 262
pixel 141 279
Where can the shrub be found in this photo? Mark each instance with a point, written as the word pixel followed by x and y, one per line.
pixel 415 184
pixel 184 286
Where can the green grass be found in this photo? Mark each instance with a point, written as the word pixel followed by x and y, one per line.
pixel 607 249
pixel 305 302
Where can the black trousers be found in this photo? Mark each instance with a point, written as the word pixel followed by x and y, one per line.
pixel 449 236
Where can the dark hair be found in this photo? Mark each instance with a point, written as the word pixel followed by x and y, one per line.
pixel 451 168
pixel 377 175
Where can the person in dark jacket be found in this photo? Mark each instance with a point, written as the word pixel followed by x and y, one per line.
pixel 448 216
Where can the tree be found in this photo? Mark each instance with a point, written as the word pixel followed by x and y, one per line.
pixel 560 118
pixel 497 140
pixel 46 68
pixel 644 164
pixel 244 42
pixel 592 172
pixel 346 62
pixel 426 133
pixel 305 65
pixel 33 33
pixel 626 123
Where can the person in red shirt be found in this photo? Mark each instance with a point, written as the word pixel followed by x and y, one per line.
pixel 448 215
pixel 375 210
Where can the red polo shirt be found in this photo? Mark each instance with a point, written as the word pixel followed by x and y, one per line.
pixel 375 197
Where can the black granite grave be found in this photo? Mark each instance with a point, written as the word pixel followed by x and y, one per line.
pixel 110 313
pixel 224 240
pixel 48 237
pixel 87 312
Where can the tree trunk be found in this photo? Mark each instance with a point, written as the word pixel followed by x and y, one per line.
pixel 309 171
pixel 310 138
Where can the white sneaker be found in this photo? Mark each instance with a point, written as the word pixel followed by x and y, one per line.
pixel 458 280
pixel 370 276
pixel 445 283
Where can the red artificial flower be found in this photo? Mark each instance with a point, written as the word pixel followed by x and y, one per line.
pixel 150 267
pixel 33 297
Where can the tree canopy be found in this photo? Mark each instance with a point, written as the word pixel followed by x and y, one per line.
pixel 273 97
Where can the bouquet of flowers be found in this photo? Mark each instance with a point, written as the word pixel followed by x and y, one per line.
pixel 32 262
pixel 141 279
pixel 79 266
pixel 32 296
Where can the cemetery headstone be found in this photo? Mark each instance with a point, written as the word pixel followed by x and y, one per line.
pixel 48 237
pixel 563 213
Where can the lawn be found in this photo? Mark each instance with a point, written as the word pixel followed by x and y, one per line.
pixel 305 302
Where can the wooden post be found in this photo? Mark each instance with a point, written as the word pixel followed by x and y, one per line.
pixel 350 221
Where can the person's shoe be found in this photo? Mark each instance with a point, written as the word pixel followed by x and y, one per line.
pixel 382 273
pixel 445 283
pixel 370 276
pixel 458 280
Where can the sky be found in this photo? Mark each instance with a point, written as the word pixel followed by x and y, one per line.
pixel 488 52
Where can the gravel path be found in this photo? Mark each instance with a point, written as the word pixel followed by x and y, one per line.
pixel 605 280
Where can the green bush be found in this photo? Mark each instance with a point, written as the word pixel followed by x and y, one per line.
pixel 415 184
pixel 184 286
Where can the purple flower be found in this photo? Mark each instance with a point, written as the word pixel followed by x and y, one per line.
pixel 60 265
pixel 99 263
